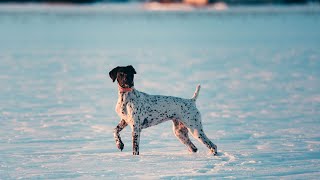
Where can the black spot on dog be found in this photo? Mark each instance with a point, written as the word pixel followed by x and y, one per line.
pixel 145 122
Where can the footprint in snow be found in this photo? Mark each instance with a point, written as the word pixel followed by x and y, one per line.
pixel 217 162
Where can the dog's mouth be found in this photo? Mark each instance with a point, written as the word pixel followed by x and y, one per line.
pixel 125 85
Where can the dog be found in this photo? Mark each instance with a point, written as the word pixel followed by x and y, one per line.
pixel 140 110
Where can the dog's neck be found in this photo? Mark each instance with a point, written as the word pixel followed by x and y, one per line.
pixel 124 90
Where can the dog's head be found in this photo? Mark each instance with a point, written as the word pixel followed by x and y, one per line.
pixel 124 75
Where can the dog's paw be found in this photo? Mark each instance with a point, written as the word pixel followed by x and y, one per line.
pixel 135 153
pixel 193 150
pixel 214 150
pixel 120 145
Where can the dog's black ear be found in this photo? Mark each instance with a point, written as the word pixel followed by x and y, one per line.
pixel 131 69
pixel 113 73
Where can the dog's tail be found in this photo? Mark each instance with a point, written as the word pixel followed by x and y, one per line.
pixel 196 93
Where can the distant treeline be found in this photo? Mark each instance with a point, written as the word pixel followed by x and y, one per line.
pixel 167 1
pixel 238 2
pixel 268 1
pixel 57 1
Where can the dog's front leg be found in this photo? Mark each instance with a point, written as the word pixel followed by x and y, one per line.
pixel 135 139
pixel 122 124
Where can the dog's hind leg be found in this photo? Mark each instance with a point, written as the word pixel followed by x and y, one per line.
pixel 181 132
pixel 197 132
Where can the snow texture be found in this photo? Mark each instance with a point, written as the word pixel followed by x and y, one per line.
pixel 259 68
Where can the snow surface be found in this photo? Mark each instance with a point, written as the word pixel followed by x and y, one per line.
pixel 259 68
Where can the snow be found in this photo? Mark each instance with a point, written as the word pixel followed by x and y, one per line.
pixel 258 66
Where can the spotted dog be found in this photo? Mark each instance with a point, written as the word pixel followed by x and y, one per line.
pixel 140 110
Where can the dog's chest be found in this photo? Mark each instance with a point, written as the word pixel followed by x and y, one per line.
pixel 124 107
pixel 135 106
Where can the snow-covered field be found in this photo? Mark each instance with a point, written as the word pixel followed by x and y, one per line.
pixel 259 68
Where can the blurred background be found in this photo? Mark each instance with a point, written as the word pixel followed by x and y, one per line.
pixel 193 2
pixel 258 62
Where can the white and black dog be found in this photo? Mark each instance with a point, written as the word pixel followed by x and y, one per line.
pixel 140 110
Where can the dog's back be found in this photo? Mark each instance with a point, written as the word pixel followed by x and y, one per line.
pixel 157 108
